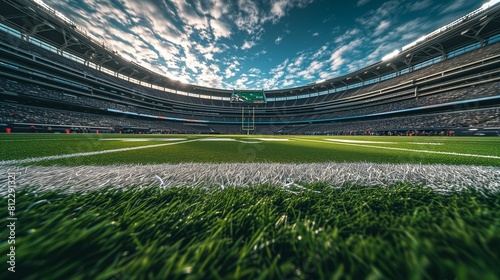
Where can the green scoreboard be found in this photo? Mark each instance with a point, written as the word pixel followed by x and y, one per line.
pixel 248 96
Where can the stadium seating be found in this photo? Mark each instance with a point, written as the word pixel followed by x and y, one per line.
pixel 97 93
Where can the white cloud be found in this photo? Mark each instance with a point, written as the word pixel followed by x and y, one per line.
pixel 420 5
pixel 279 8
pixel 288 83
pixel 248 45
pixel 320 52
pixel 241 82
pixel 248 16
pixel 336 59
pixel 276 74
pixel 386 11
pixel 348 35
pixel 456 5
pixel 232 67
pixel 278 40
pixel 220 29
pixel 362 2
pixel 254 71
pixel 322 63
pixel 310 72
pixel 383 25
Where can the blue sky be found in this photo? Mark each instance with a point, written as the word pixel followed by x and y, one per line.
pixel 259 44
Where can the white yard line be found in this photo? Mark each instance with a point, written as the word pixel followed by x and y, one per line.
pixel 425 143
pixel 217 139
pixel 228 140
pixel 44 139
pixel 143 139
pixel 29 160
pixel 359 141
pixel 273 139
pixel 440 177
pixel 404 149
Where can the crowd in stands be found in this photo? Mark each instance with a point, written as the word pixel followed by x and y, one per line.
pixel 43 93
pixel 39 92
pixel 483 118
pixel 485 90
pixel 18 113
pixel 480 118
pixel 21 114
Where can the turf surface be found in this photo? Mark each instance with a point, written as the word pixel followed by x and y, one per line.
pixel 231 148
pixel 262 232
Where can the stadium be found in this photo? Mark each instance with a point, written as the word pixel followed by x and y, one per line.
pixel 111 170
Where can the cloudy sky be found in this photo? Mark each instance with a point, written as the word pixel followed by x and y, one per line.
pixel 259 44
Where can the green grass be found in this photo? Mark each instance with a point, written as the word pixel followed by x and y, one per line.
pixel 262 232
pixel 402 232
pixel 299 149
pixel 19 146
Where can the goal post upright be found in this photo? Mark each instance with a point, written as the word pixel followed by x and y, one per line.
pixel 248 121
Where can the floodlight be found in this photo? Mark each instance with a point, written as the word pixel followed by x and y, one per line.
pixel 491 3
pixel 391 55
pixel 465 32
pixel 421 38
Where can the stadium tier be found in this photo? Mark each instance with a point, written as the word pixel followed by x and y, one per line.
pixel 448 82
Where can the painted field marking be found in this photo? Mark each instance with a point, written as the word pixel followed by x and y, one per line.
pixel 382 142
pixel 43 139
pixel 143 139
pixel 272 139
pixel 290 176
pixel 425 143
pixel 29 160
pixel 360 141
pixel 228 140
pixel 403 149
pixel 216 139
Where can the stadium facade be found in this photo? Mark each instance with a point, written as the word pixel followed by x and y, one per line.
pixel 54 76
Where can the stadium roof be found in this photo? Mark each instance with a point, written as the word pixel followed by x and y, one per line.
pixel 48 25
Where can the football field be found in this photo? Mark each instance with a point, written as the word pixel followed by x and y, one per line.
pixel 109 206
pixel 93 161
pixel 112 149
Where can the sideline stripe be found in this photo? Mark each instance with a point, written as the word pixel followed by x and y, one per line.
pixel 28 160
pixel 43 139
pixel 403 149
pixel 291 177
